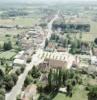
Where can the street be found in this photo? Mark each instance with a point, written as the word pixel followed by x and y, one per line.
pixel 16 90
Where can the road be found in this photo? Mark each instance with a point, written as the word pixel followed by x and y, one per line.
pixel 49 30
pixel 16 90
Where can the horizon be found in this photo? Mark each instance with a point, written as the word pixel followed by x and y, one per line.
pixel 45 1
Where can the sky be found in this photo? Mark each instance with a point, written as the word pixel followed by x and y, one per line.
pixel 29 1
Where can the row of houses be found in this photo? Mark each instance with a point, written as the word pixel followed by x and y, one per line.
pixel 94 56
pixel 32 38
pixel 47 64
pixel 21 58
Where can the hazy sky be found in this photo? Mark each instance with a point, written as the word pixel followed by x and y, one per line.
pixel 42 0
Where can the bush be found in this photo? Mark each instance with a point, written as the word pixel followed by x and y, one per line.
pixel 44 97
pixel 95 41
pixel 28 80
pixel 2 97
pixel 8 82
pixel 22 69
pixel 7 35
pixel 2 92
pixel 7 45
pixel 14 77
pixel 9 85
pixel 18 72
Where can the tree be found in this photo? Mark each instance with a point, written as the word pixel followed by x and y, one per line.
pixel 52 37
pixel 60 77
pixel 29 59
pixel 2 97
pixel 14 77
pixel 75 46
pixel 7 68
pixel 28 80
pixel 69 90
pixel 9 83
pixel 1 74
pixel 95 40
pixel 50 78
pixel 18 72
pixel 7 45
pixel 92 95
pixel 44 97
pixel 2 92
pixel 2 61
pixel 22 69
pixel 35 72
pixel 46 43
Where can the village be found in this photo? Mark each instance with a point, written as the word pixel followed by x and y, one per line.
pixel 53 59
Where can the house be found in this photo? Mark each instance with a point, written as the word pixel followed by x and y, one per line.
pixel 30 93
pixel 19 55
pixel 61 49
pixel 95 51
pixel 94 57
pixel 94 60
pixel 18 62
pixel 52 63
pixel 51 47
pixel 85 48
pixel 20 59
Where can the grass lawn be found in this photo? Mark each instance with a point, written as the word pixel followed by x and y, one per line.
pixel 25 21
pixel 79 94
pixel 20 21
pixel 7 54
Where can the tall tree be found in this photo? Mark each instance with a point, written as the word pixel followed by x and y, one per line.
pixel 50 78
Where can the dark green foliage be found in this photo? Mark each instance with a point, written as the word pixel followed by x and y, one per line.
pixel 54 37
pixel 35 72
pixel 95 40
pixel 60 78
pixel 22 69
pixel 2 92
pixel 2 61
pixel 50 78
pixel 71 28
pixel 14 77
pixel 46 43
pixel 18 72
pixel 92 95
pixel 9 83
pixel 28 59
pixel 1 74
pixel 7 45
pixel 2 97
pixel 28 80
pixel 44 97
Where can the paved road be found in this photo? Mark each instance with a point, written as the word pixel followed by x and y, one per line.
pixel 49 29
pixel 18 87
pixel 35 61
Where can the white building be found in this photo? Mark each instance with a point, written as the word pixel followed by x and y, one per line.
pixel 94 60
pixel 19 55
pixel 18 62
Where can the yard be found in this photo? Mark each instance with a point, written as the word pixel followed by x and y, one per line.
pixel 78 94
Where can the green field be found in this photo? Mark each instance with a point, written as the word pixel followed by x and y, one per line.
pixel 7 54
pixel 79 94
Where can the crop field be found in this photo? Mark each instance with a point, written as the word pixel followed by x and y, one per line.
pixel 19 21
pixel 11 33
pixel 7 54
